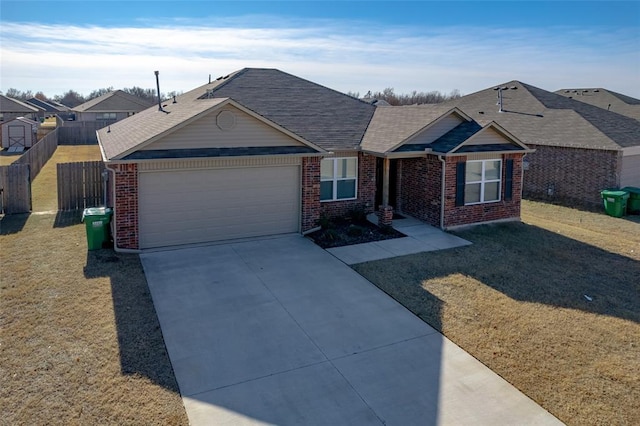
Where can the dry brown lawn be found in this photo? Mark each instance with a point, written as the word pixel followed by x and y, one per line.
pixel 80 342
pixel 44 191
pixel 515 300
pixel 7 158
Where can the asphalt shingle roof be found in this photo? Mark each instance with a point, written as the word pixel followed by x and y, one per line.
pixel 606 99
pixel 392 125
pixel 127 134
pixel 13 105
pixel 323 116
pixel 117 101
pixel 539 117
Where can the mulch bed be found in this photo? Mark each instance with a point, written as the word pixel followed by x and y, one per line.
pixel 346 232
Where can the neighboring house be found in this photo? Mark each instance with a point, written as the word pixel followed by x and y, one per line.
pixel 19 133
pixel 48 108
pixel 12 108
pixel 581 149
pixel 606 99
pixel 261 152
pixel 110 107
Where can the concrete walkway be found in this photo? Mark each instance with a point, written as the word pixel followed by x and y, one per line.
pixel 420 237
pixel 278 331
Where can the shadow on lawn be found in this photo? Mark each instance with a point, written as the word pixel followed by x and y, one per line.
pixel 525 263
pixel 142 348
pixel 13 223
pixel 67 218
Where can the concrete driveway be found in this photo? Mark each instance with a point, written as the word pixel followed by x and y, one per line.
pixel 278 331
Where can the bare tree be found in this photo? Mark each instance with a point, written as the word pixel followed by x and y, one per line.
pixel 19 94
pixel 71 98
pixel 99 92
pixel 413 98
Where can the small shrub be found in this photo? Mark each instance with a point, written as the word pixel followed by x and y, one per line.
pixel 325 222
pixel 332 235
pixel 355 231
pixel 357 215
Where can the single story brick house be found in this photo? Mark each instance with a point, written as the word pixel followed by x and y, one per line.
pixel 110 107
pixel 262 152
pixel 580 148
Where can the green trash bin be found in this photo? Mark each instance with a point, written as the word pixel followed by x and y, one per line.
pixel 633 203
pixel 96 221
pixel 615 202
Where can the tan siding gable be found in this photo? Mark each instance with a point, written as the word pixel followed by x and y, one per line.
pixel 205 133
pixel 488 137
pixel 434 132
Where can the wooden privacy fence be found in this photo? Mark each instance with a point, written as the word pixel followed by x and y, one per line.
pixel 15 179
pixel 38 155
pixel 80 132
pixel 15 189
pixel 80 185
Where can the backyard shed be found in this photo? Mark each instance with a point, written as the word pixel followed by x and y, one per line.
pixel 19 132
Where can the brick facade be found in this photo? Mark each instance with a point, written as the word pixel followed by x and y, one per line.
pixel 419 188
pixel 420 193
pixel 310 193
pixel 571 176
pixel 486 212
pixel 366 191
pixel 126 206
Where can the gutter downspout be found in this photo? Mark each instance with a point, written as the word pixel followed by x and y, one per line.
pixel 442 192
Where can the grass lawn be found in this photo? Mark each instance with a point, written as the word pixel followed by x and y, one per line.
pixel 7 157
pixel 80 342
pixel 515 300
pixel 44 191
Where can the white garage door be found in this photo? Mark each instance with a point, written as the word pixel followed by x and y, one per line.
pixel 194 206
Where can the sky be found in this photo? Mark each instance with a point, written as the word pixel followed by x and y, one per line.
pixel 350 46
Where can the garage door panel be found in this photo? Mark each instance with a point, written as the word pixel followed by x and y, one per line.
pixel 191 206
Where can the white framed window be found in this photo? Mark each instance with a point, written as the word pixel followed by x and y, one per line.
pixel 483 180
pixel 106 116
pixel 339 179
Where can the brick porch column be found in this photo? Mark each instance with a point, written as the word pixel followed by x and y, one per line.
pixel 385 216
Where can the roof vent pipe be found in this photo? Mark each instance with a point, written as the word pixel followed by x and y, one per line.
pixel 209 78
pixel 158 86
pixel 500 99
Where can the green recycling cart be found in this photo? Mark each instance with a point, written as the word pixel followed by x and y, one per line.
pixel 615 202
pixel 633 203
pixel 96 221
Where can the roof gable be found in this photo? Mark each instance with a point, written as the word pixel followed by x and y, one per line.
pixel 323 116
pixel 13 105
pixel 123 138
pixel 392 126
pixel 117 101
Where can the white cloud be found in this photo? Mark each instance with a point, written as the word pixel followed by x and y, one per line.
pixel 343 55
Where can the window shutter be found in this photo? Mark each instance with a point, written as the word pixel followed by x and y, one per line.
pixel 508 181
pixel 460 180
